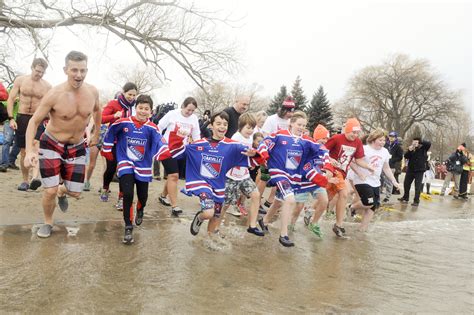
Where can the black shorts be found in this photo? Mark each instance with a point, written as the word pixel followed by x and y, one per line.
pixel 22 121
pixel 171 166
pixel 370 196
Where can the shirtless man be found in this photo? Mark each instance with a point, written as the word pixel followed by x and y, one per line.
pixel 31 89
pixel 62 151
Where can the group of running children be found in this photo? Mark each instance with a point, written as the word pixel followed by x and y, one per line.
pixel 217 168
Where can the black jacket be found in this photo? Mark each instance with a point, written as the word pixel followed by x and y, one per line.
pixel 418 157
pixel 396 153
pixel 456 161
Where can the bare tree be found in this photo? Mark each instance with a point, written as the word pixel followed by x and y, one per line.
pixel 157 30
pixel 398 94
pixel 143 77
pixel 220 95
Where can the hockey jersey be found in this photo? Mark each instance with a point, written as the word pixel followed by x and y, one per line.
pixel 208 162
pixel 137 145
pixel 287 154
pixel 313 171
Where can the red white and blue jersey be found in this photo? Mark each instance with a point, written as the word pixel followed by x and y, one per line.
pixel 313 172
pixel 138 144
pixel 287 154
pixel 208 162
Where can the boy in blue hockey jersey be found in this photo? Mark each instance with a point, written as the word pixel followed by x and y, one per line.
pixel 288 151
pixel 138 144
pixel 207 162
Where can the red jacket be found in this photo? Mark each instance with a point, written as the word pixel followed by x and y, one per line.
pixel 3 93
pixel 109 110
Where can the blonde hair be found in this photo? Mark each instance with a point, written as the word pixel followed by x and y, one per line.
pixel 246 119
pixel 261 114
pixel 297 115
pixel 375 134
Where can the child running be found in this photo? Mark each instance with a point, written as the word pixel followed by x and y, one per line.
pixel 238 178
pixel 138 143
pixel 368 184
pixel 207 162
pixel 321 136
pixel 287 151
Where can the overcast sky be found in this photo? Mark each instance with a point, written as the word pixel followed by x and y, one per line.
pixel 325 42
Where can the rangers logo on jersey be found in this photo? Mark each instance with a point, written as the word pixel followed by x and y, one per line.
pixel 136 148
pixel 293 159
pixel 211 165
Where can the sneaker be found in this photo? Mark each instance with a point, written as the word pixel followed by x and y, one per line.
pixel 267 204
pixel 13 166
pixel 63 203
pixel 386 200
pixel 315 229
pixel 263 226
pixel 196 224
pixel 164 201
pixel 285 241
pixel 262 211
pixel 176 211
pixel 255 231
pixel 119 204
pixel 3 168
pixel 291 228
pixel 104 195
pixel 139 217
pixel 308 214
pixel 23 186
pixel 45 230
pixel 235 212
pixel 35 184
pixel 242 209
pixel 340 231
pixel 87 186
pixel 415 204
pixel 128 236
pixel 402 200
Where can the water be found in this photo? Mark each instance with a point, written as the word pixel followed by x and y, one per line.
pixel 423 263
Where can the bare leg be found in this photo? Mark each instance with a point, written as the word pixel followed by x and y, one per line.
pixel 24 170
pixel 296 212
pixel 285 214
pixel 368 215
pixel 341 205
pixel 272 211
pixel 319 206
pixel 94 153
pixel 254 205
pixel 49 203
pixel 214 222
pixel 172 186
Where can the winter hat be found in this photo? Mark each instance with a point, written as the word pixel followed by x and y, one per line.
pixel 352 124
pixel 288 103
pixel 320 132
pixel 393 134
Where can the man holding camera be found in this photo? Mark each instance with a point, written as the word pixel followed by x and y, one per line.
pixel 417 156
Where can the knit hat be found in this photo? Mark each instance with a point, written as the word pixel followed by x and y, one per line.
pixel 393 134
pixel 352 124
pixel 320 132
pixel 288 103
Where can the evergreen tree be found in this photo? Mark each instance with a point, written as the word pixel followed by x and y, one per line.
pixel 319 112
pixel 275 105
pixel 298 95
